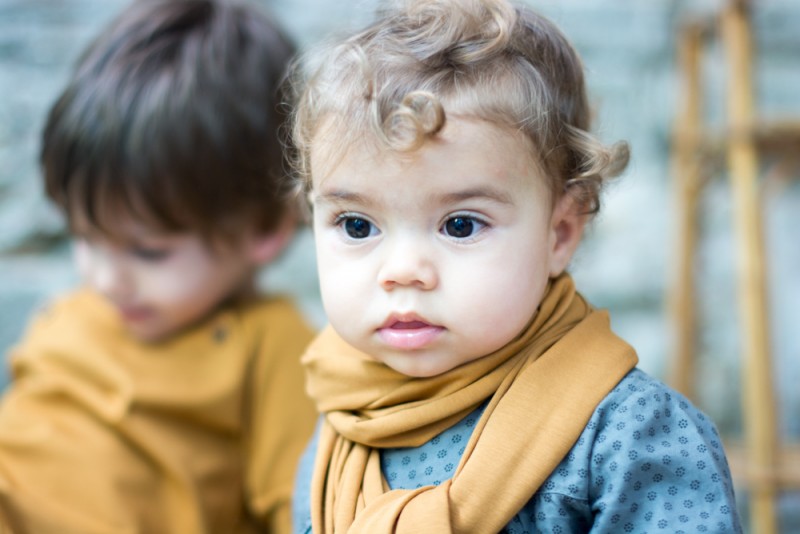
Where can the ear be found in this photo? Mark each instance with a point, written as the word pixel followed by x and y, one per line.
pixel 566 230
pixel 264 248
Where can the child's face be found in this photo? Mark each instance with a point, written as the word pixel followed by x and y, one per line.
pixel 160 283
pixel 433 259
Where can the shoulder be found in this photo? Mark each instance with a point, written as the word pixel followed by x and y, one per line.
pixel 61 364
pixel 644 423
pixel 641 411
pixel 277 332
pixel 68 316
pixel 650 456
pixel 79 304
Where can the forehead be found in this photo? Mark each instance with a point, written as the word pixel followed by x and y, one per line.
pixel 122 228
pixel 106 206
pixel 466 151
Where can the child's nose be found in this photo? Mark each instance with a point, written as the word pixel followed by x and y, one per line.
pixel 407 264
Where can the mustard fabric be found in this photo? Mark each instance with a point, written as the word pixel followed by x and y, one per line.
pixel 101 434
pixel 544 386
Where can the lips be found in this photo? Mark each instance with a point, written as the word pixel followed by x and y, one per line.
pixel 134 314
pixel 410 325
pixel 408 332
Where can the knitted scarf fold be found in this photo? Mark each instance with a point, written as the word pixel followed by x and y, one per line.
pixel 543 387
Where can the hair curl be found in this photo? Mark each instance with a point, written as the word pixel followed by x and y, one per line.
pixel 397 80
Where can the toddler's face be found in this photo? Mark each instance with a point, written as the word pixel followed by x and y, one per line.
pixel 432 259
pixel 159 283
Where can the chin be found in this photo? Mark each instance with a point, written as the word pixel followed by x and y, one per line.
pixel 417 369
pixel 425 373
pixel 145 335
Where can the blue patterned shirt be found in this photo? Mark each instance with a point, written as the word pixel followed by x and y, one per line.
pixel 647 461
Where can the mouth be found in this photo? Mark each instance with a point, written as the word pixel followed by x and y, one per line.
pixel 408 332
pixel 134 314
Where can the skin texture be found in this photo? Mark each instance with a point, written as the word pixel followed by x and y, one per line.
pixel 163 283
pixel 431 259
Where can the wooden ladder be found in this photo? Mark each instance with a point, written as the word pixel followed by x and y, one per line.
pixel 762 464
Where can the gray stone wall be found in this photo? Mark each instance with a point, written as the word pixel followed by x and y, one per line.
pixel 626 261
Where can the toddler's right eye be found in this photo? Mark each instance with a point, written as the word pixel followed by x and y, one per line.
pixel 357 228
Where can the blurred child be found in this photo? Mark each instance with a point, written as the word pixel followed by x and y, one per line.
pixel 166 396
pixel 466 385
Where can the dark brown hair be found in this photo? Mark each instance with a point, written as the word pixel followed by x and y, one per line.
pixel 172 116
pixel 396 81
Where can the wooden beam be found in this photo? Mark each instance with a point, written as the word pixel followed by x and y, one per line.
pixel 785 476
pixel 686 167
pixel 758 403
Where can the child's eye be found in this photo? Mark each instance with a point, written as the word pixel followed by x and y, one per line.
pixel 150 254
pixel 356 227
pixel 462 226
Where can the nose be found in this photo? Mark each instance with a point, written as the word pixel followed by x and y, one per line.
pixel 407 263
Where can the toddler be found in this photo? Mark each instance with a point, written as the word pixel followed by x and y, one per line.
pixel 465 384
pixel 165 396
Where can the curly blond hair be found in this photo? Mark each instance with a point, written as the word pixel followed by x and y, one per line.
pixel 396 81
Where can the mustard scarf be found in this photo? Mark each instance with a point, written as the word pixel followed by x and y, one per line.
pixel 544 386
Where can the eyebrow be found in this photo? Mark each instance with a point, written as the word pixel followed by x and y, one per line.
pixel 490 193
pixel 341 195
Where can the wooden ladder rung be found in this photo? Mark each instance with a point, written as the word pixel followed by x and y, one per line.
pixel 770 138
pixel 782 137
pixel 785 474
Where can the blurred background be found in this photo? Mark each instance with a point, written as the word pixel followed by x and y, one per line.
pixel 629 261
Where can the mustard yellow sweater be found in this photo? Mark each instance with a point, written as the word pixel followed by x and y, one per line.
pixel 199 434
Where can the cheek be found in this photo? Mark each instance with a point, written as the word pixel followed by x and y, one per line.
pixel 184 278
pixel 168 286
pixel 339 285
pixel 338 270
pixel 81 258
pixel 499 313
pixel 505 295
pixel 88 262
pixel 347 290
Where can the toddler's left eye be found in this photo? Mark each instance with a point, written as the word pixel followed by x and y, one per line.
pixel 357 228
pixel 150 254
pixel 462 226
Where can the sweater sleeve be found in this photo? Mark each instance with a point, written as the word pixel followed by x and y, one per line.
pixel 282 418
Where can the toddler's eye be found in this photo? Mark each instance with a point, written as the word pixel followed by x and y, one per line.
pixel 462 226
pixel 150 254
pixel 357 228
